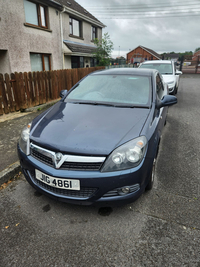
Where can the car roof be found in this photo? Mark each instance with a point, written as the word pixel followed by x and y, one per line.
pixel 157 62
pixel 126 71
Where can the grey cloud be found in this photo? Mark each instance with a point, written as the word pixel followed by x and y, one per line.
pixel 176 33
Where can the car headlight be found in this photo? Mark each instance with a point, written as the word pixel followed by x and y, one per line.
pixel 126 156
pixel 24 139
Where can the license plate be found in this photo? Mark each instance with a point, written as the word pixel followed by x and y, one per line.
pixel 69 184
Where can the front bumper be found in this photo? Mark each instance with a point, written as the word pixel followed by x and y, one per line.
pixel 95 187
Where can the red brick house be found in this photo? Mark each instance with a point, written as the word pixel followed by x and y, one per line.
pixel 196 56
pixel 141 53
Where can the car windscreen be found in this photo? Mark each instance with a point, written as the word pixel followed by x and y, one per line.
pixel 163 68
pixel 127 90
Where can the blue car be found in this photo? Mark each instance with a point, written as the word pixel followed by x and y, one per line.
pixel 99 143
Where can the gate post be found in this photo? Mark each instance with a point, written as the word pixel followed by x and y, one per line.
pixel 181 64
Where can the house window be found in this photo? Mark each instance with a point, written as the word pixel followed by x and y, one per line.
pixel 40 62
pixel 75 27
pixel 93 62
pixel 93 33
pixel 77 62
pixel 35 14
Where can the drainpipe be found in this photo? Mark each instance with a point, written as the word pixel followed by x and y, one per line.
pixel 61 33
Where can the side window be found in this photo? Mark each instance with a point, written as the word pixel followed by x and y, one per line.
pixel 35 14
pixel 159 87
pixel 75 27
pixel 40 62
pixel 93 33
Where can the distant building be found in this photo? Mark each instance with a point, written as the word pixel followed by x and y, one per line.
pixel 140 54
pixel 196 56
pixel 171 56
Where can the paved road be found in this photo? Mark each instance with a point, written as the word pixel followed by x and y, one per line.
pixel 162 228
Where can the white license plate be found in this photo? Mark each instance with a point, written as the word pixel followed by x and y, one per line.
pixel 69 184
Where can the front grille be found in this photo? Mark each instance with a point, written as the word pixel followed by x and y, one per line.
pixel 81 166
pixel 37 155
pixel 84 192
pixel 89 166
pixel 114 193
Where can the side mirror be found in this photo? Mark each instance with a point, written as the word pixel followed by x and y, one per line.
pixel 63 93
pixel 178 72
pixel 168 100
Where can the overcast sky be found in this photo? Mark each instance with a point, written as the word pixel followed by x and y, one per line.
pixel 161 25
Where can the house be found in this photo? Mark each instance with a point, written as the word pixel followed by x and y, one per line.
pixel 196 56
pixel 46 35
pixel 141 53
pixel 171 56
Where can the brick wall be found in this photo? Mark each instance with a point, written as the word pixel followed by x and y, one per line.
pixel 139 53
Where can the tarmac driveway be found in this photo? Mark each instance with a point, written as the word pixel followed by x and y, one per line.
pixel 162 228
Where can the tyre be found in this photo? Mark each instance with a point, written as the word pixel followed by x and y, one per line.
pixel 151 177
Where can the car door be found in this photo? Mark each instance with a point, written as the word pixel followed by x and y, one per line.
pixel 157 120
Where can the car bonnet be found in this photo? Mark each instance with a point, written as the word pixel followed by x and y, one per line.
pixel 168 78
pixel 88 129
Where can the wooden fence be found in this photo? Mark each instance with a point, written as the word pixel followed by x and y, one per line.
pixel 191 67
pixel 19 91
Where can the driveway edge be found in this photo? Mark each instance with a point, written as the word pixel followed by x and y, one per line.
pixel 9 172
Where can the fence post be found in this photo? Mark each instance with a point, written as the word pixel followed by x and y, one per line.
pixel 196 67
pixel 16 95
pixel 181 63
pixel 20 90
pixel 49 76
pixel 54 85
pixel 69 79
pixel 10 94
pixel 3 95
pixel 36 88
pixel 27 89
pixel 30 78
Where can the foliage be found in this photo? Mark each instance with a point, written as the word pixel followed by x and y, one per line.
pixel 104 49
pixel 185 55
pixel 198 48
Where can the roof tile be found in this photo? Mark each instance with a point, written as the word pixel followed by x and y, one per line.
pixel 75 6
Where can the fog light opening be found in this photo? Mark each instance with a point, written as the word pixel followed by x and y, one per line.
pixel 124 190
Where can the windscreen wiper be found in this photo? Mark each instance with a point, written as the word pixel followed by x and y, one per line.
pixel 109 104
pixel 85 103
pixel 93 103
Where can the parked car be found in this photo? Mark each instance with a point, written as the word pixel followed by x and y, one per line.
pixel 99 142
pixel 168 70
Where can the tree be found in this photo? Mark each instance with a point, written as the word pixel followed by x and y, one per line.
pixel 196 49
pixel 185 54
pixel 104 49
